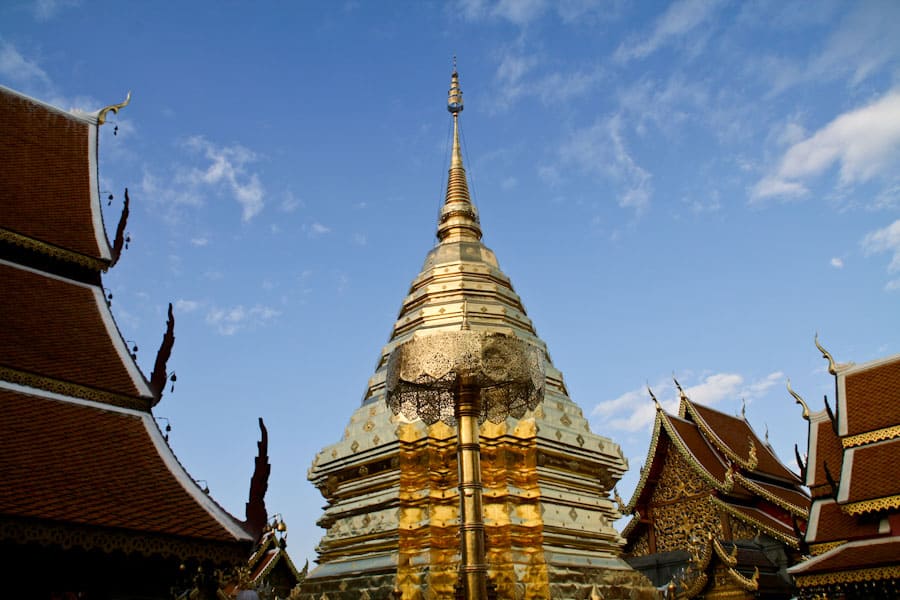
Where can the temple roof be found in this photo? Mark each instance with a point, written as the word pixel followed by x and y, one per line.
pixel 828 522
pixel 58 215
pixel 73 344
pixel 868 397
pixel 119 473
pixel 862 556
pixel 744 476
pixel 864 477
pixel 824 449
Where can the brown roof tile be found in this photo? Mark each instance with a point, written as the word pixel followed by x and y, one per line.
pixel 702 452
pixel 54 328
pixel 37 142
pixel 867 472
pixel 69 462
pixel 833 524
pixel 827 449
pixel 863 554
pixel 872 397
pixel 735 433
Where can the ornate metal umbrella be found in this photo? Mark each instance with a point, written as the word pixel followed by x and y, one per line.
pixel 466 377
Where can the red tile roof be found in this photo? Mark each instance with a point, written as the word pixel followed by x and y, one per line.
pixel 736 433
pixel 698 447
pixel 114 474
pixel 872 397
pixel 862 554
pixel 870 472
pixel 828 523
pixel 46 177
pixel 825 447
pixel 60 331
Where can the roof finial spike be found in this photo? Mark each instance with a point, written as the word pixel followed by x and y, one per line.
pixel 458 219
pixel 744 408
pixel 652 395
pixel 798 399
pixel 826 355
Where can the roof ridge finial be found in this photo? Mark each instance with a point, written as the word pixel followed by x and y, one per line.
pixel 459 219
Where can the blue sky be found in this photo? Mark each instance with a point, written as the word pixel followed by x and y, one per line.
pixel 692 188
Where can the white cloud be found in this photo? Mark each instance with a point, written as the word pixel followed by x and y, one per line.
pixel 20 71
pixel 865 142
pixel 228 168
pixel 186 306
pixel 837 263
pixel 290 203
pixel 886 239
pixel 523 12
pixel 228 321
pixel 44 10
pixel 679 19
pixel 634 410
pixel 316 229
pixel 199 242
pixel 601 149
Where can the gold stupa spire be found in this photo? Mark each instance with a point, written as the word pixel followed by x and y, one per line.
pixel 459 219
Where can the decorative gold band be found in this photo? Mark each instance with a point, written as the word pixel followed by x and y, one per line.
pixel 53 251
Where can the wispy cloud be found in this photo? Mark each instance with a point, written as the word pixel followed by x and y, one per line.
pixel 186 306
pixel 601 149
pixel 44 10
pixel 290 202
pixel 865 143
pixel 884 240
pixel 228 169
pixel 634 410
pixel 837 263
pixel 679 19
pixel 523 12
pixel 20 71
pixel 223 170
pixel 228 321
pixel 199 242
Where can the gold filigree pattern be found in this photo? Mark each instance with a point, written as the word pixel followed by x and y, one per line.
pixel 641 546
pixel 678 480
pixel 52 251
pixel 73 536
pixel 888 433
pixel 859 508
pixel 817 549
pixel 838 577
pixel 754 487
pixel 677 525
pixel 72 389
pixel 790 540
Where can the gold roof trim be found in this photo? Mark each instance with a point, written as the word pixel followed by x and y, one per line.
pixel 724 486
pixel 52 251
pixel 754 487
pixel 798 399
pixel 866 506
pixel 832 368
pixel 789 540
pixel 645 472
pixel 855 576
pixel 67 388
pixel 817 549
pixel 879 435
pixel 750 584
pixel 728 558
pixel 114 108
pixel 750 463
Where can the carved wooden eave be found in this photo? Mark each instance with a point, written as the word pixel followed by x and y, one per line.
pixel 750 584
pixel 749 462
pixel 729 559
pixel 751 485
pixel 748 520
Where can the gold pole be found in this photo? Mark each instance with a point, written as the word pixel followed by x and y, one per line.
pixel 474 569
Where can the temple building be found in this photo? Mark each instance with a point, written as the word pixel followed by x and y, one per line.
pixel 93 503
pixel 715 513
pixel 853 536
pixel 392 517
